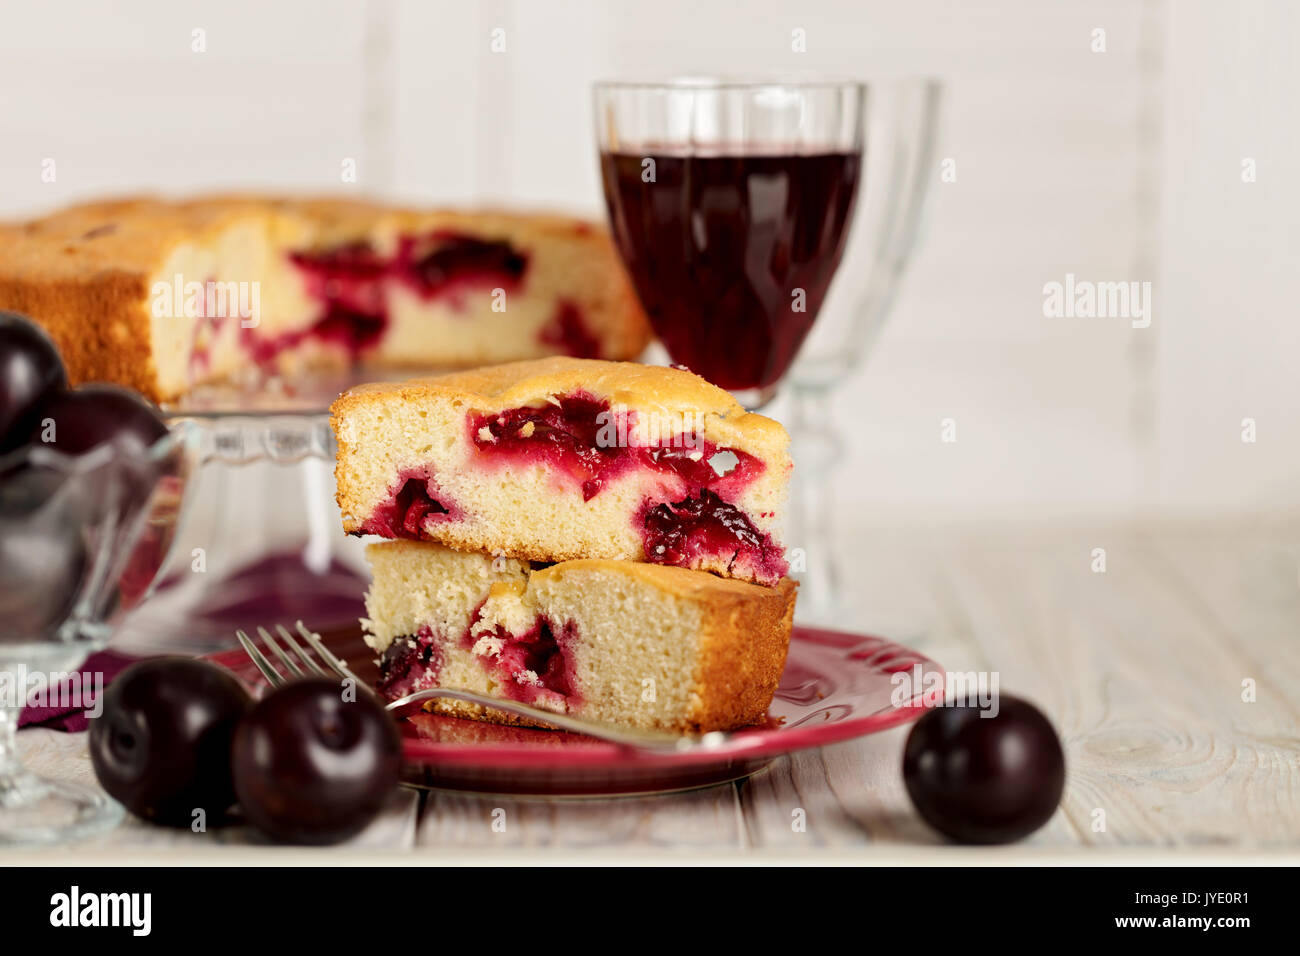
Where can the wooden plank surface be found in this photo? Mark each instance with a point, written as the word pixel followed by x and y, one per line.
pixel 1140 668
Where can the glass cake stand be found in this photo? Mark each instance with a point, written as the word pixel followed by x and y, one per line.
pixel 263 541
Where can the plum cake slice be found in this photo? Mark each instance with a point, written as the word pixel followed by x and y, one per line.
pixel 562 458
pixel 640 645
pixel 164 296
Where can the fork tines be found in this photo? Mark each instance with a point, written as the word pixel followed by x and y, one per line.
pixel 301 663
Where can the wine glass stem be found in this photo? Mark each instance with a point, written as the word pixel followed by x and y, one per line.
pixel 817 452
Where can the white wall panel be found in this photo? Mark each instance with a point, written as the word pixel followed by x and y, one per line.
pixel 1122 165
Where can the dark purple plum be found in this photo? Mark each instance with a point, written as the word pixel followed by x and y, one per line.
pixel 30 372
pixel 78 421
pixel 161 747
pixel 313 767
pixel 985 779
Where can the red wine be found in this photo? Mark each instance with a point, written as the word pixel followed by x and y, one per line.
pixel 719 245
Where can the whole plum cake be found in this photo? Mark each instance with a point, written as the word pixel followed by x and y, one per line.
pixel 163 296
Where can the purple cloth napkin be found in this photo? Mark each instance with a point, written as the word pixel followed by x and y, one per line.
pixel 74 719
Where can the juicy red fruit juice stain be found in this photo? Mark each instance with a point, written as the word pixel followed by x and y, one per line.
pixel 410 664
pixel 705 526
pixel 413 498
pixel 566 435
pixel 573 435
pixel 568 332
pixel 717 244
pixel 541 651
pixel 456 260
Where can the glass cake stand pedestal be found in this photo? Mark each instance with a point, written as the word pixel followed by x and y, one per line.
pixel 263 541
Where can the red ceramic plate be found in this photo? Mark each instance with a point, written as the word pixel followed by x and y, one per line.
pixel 836 686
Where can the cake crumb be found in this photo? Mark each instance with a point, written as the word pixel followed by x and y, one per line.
pixel 488 646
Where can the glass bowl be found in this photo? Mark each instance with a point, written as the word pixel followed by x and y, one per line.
pixel 82 538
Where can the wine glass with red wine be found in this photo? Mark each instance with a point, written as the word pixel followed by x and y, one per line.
pixel 729 201
pixel 901 152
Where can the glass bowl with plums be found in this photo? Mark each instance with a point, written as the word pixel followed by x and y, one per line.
pixel 92 484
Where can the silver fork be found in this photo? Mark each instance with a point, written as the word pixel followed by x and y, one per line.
pixel 297 661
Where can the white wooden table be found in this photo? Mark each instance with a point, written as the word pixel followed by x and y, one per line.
pixel 1141 668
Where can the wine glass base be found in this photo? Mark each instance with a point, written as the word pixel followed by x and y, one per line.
pixel 36 811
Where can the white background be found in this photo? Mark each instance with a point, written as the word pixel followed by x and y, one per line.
pixel 1122 165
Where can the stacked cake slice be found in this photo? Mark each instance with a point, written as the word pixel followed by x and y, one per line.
pixel 594 538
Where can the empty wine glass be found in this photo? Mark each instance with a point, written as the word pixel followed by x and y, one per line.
pixel 81 537
pixel 899 164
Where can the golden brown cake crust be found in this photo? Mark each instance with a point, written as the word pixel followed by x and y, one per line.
pixel 742 655
pixel 675 581
pixel 133 235
pixel 136 234
pixel 84 272
pixel 112 348
pixel 532 382
pixel 467 711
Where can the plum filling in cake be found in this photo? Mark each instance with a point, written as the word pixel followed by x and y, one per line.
pixel 440 263
pixel 570 436
pixel 353 332
pixel 582 436
pixel 703 525
pixel 207 328
pixel 532 667
pixel 410 664
pixel 350 283
pixel 445 261
pixel 567 332
pixel 412 500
